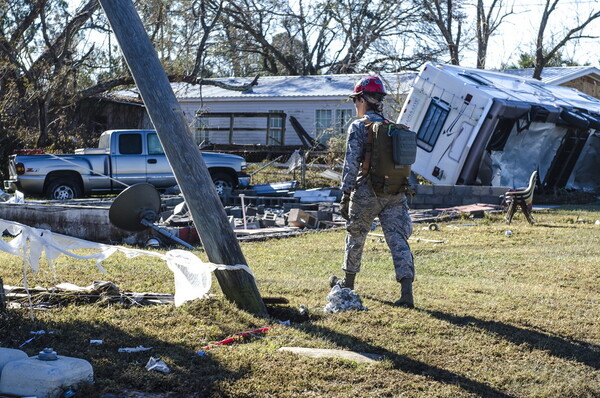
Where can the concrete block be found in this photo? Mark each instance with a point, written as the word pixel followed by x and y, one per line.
pixel 267 223
pixel 236 212
pixel 253 225
pixel 424 189
pixel 296 205
pixel 443 190
pixel 300 218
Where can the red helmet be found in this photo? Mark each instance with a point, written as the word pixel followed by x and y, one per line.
pixel 369 84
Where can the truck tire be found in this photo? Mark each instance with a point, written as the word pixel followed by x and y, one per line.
pixel 63 189
pixel 222 181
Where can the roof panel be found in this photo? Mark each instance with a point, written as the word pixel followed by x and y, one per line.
pixel 555 75
pixel 285 86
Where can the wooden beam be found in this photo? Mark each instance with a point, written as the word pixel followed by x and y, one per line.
pixel 189 168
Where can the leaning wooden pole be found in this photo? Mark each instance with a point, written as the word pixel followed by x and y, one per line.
pixel 189 168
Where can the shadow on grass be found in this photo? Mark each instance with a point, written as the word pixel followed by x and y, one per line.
pixel 555 226
pixel 402 362
pixel 580 351
pixel 191 375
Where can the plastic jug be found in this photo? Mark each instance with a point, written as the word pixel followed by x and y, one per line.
pixel 46 375
pixel 10 354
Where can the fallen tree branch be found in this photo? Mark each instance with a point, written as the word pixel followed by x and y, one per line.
pixel 107 85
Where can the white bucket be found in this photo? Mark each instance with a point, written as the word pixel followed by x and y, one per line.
pixel 48 377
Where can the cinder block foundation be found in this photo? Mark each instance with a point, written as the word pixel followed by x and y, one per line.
pixel 443 196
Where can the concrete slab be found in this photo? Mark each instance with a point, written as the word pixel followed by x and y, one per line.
pixel 359 357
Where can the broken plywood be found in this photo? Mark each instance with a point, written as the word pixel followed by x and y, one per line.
pixel 359 357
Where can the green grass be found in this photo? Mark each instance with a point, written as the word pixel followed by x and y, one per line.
pixel 497 315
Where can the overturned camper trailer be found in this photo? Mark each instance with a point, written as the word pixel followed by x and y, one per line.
pixel 478 127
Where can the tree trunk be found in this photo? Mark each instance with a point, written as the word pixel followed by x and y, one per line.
pixel 454 54
pixel 42 140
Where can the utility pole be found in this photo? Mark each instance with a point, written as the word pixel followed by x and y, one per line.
pixel 190 171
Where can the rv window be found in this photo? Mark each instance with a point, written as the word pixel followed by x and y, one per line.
pixel 475 78
pixel 432 124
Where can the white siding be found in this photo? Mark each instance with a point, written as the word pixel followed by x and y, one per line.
pixel 303 110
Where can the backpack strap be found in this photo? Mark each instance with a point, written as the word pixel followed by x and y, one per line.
pixel 368 150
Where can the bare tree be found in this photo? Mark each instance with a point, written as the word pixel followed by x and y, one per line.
pixel 363 24
pixel 488 22
pixel 327 36
pixel 448 17
pixel 542 54
pixel 39 61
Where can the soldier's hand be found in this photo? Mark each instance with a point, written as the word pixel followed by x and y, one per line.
pixel 345 206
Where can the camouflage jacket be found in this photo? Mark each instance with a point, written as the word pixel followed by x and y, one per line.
pixel 355 149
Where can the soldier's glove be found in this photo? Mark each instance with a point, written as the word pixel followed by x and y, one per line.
pixel 345 206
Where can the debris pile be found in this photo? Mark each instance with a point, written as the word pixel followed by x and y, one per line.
pixel 68 293
pixel 343 299
pixel 269 215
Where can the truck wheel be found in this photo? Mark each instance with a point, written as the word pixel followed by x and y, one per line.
pixel 222 181
pixel 63 189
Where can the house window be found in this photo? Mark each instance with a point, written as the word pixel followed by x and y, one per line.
pixel 154 147
pixel 323 121
pixel 343 117
pixel 130 144
pixel 275 131
pixel 432 124
pixel 201 133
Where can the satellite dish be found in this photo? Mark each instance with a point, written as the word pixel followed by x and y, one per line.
pixel 136 208
pixel 135 204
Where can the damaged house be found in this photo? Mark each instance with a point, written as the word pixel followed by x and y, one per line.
pixel 270 112
pixel 479 127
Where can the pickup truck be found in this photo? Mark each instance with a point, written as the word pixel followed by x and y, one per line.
pixel 123 158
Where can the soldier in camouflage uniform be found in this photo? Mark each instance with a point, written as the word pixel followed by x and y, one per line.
pixel 360 205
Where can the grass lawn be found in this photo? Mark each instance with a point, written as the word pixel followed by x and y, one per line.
pixel 497 315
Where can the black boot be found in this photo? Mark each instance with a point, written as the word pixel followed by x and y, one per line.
pixel 347 281
pixel 406 295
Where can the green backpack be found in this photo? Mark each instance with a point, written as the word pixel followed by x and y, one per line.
pixel 391 149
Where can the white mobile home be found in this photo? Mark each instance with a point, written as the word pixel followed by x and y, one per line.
pixel 261 114
pixel 478 127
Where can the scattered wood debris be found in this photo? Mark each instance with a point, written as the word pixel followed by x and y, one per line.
pixel 67 293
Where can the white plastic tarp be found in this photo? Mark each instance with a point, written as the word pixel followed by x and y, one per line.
pixel 192 275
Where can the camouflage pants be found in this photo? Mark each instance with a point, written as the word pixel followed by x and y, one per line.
pixel 396 225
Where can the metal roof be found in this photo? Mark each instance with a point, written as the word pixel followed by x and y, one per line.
pixel 507 86
pixel 556 75
pixel 333 86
